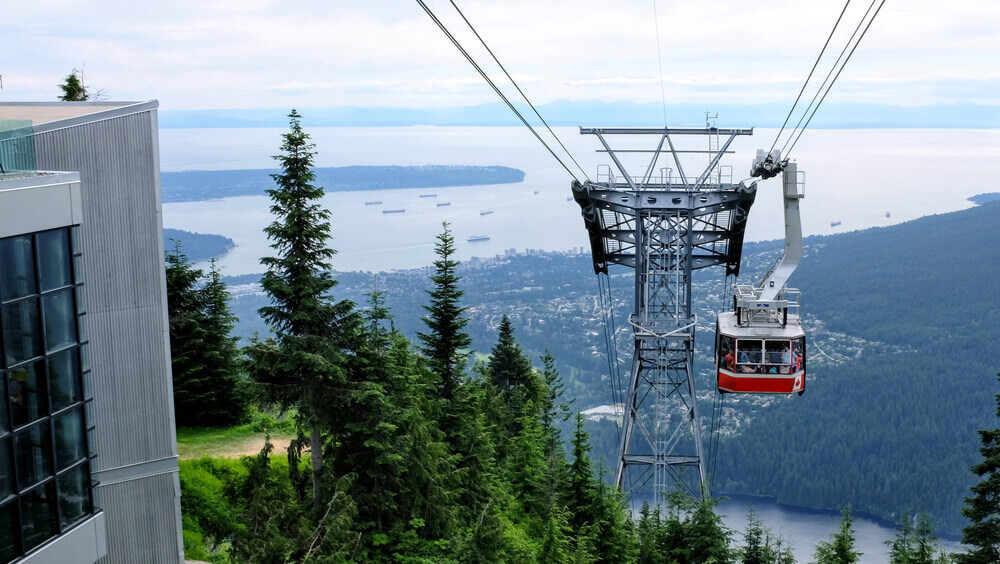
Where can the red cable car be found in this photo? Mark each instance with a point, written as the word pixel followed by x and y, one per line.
pixel 760 347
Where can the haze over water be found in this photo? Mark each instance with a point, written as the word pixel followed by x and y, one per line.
pixel 852 176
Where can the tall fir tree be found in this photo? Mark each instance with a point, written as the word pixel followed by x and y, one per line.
pixel 983 507
pixel 509 369
pixel 580 494
pixel 221 363
pixel 841 548
pixel 306 364
pixel 445 341
pixel 204 359
pixel 761 546
pixel 915 543
pixel 187 335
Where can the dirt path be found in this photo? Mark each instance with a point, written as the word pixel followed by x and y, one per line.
pixel 247 446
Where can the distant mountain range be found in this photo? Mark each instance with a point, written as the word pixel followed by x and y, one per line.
pixel 595 113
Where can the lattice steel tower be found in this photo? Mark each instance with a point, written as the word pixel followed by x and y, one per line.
pixel 665 226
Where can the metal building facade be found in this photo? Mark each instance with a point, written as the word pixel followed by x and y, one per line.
pixel 114 147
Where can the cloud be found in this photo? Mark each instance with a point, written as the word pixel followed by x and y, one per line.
pixel 311 53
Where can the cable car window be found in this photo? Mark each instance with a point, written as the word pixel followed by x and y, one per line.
pixel 727 353
pixel 778 352
pixel 798 354
pixel 749 354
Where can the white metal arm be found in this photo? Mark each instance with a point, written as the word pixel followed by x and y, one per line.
pixel 793 191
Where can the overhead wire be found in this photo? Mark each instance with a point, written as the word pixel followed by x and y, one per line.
pixel 823 85
pixel 659 60
pixel 856 43
pixel 514 82
pixel 811 71
pixel 493 85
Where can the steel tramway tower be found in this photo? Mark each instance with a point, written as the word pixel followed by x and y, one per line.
pixel 664 226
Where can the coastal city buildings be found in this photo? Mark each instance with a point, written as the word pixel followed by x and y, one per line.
pixel 88 451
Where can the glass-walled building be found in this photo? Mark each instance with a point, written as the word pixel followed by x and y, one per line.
pixel 88 449
pixel 46 485
pixel 44 455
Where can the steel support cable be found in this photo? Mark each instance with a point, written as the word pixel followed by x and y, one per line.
pixel 717 405
pixel 823 85
pixel 489 81
pixel 659 60
pixel 858 42
pixel 811 71
pixel 615 391
pixel 521 92
pixel 614 332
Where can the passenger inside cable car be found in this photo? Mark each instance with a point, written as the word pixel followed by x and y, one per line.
pixel 773 365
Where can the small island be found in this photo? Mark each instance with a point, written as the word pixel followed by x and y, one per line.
pixel 198 185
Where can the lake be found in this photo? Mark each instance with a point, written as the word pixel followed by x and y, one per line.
pixel 804 528
pixel 852 176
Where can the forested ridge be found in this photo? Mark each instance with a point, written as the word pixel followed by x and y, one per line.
pixel 196 185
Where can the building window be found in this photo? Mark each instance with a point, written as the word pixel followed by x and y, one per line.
pixel 45 483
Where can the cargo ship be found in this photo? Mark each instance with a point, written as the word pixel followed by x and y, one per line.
pixel 428 195
pixel 393 211
pixel 487 212
pixel 443 204
pixel 375 203
pixel 477 238
pixel 834 223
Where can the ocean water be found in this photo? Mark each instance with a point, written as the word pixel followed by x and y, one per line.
pixel 852 176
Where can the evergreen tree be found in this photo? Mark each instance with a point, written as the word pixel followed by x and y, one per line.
pixel 840 549
pixel 556 539
pixel 707 539
pixel 73 89
pixel 187 334
pixel 306 364
pixel 614 533
pixel 508 369
pixel 552 409
pixel 207 387
pixel 761 546
pixel 581 481
pixel 446 339
pixel 983 508
pixel 915 544
pixel 227 402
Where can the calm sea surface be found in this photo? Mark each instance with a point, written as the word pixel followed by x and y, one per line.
pixel 852 176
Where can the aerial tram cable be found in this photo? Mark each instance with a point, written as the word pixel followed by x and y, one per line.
pixel 514 82
pixel 824 89
pixel 489 81
pixel 811 71
pixel 659 60
pixel 858 42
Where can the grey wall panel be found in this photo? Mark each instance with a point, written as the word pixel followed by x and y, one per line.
pixel 140 530
pixel 125 294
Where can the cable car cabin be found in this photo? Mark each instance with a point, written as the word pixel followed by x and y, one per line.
pixel 760 351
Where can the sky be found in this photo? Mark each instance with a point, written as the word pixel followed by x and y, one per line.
pixel 207 54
